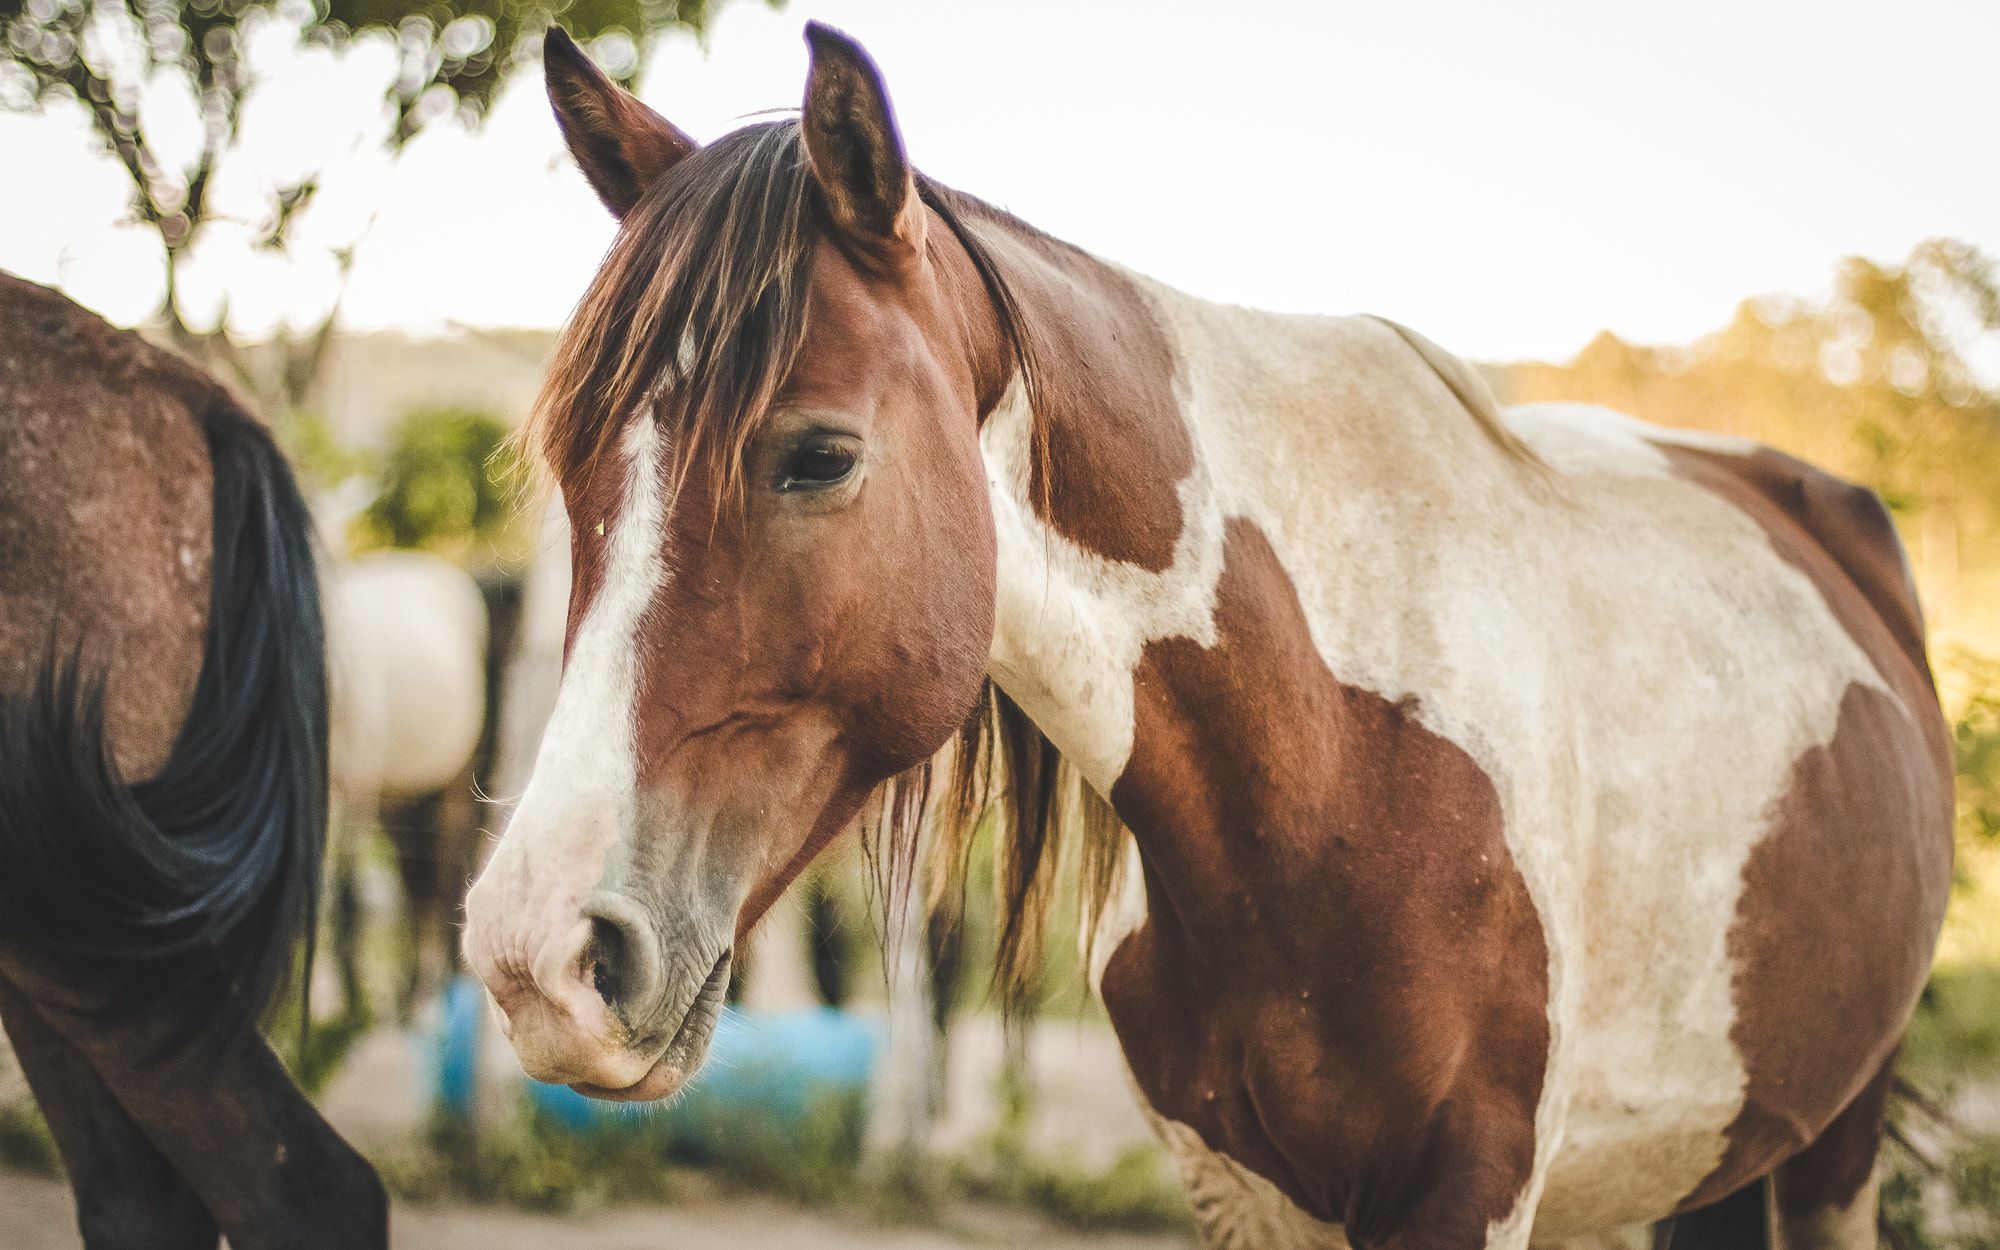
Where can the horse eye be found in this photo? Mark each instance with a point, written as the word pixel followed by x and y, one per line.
pixel 818 464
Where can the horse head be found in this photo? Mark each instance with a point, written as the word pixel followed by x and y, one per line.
pixel 764 422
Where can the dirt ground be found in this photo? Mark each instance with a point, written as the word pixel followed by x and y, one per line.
pixel 377 1101
pixel 37 1214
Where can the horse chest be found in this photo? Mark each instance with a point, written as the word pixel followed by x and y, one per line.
pixel 1365 966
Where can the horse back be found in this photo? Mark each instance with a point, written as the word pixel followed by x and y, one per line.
pixel 105 501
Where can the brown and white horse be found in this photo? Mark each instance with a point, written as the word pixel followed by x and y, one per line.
pixel 1539 822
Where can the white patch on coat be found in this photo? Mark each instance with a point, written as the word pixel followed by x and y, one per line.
pixel 1578 631
pixel 406 667
pixel 525 912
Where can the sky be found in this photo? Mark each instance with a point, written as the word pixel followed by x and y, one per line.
pixel 1509 179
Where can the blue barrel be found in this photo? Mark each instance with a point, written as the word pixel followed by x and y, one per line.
pixel 458 1046
pixel 775 1066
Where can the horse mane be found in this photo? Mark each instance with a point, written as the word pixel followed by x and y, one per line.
pixel 1469 389
pixel 699 311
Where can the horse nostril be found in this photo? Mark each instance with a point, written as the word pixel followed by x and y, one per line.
pixel 622 959
pixel 608 942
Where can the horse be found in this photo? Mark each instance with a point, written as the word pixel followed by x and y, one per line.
pixel 1503 826
pixel 410 669
pixel 162 790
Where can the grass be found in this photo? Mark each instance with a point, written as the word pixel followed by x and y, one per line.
pixel 1135 1194
pixel 533 1161
pixel 26 1144
pixel 1941 1189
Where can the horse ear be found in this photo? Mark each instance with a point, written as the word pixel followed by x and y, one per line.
pixel 857 153
pixel 619 143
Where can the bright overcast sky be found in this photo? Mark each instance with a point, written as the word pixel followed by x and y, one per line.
pixel 1508 178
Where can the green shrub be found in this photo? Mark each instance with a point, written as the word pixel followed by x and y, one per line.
pixel 1957 1026
pixel 444 485
pixel 1941 1188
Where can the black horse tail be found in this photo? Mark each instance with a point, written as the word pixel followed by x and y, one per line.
pixel 200 881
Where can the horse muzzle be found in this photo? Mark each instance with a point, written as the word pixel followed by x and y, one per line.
pixel 595 1000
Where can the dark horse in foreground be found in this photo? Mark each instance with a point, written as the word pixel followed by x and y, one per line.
pixel 162 791
pixel 1506 826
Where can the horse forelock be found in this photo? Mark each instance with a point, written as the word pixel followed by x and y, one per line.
pixel 696 314
pixel 699 310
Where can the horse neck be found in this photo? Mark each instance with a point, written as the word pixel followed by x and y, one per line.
pixel 1179 434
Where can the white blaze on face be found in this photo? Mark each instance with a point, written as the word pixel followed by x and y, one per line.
pixel 525 914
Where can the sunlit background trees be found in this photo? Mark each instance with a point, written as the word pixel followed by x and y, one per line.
pixel 169 86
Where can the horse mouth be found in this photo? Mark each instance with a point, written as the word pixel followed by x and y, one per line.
pixel 685 1052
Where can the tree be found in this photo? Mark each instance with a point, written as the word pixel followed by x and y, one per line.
pixel 1877 383
pixel 114 57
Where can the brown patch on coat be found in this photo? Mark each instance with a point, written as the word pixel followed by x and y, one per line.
pixel 1342 982
pixel 1843 899
pixel 1114 447
pixel 105 502
pixel 1829 1173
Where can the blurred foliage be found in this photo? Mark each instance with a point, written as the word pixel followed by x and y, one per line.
pixel 132 64
pixel 316 453
pixel 1956 1031
pixel 532 1160
pixel 1876 383
pixel 1976 748
pixel 443 484
pixel 1137 1193
pixel 26 1145
pixel 1941 1183
pixel 447 482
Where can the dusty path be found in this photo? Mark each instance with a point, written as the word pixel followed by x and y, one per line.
pixel 36 1214
pixel 378 1101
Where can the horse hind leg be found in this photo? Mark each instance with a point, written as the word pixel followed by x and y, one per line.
pixel 218 1109
pixel 1739 1222
pixel 128 1195
pixel 1826 1197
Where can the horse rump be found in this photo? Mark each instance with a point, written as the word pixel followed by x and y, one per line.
pixel 200 880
